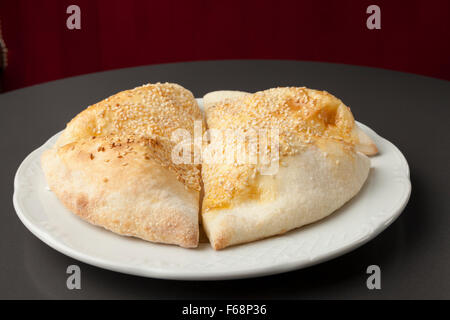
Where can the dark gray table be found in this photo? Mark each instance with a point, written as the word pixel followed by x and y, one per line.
pixel 409 110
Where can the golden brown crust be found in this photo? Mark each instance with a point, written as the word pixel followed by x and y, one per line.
pixel 320 168
pixel 300 113
pixel 112 165
pixel 304 117
pixel 146 111
pixel 152 111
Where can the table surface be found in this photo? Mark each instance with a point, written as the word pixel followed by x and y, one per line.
pixel 409 110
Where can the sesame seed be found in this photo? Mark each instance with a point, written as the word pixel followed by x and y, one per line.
pixel 146 115
pixel 302 116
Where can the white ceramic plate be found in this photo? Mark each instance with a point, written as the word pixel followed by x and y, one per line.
pixel 378 204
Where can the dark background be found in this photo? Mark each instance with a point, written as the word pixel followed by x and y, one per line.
pixel 414 35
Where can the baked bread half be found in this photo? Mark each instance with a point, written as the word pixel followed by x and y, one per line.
pixel 311 167
pixel 113 167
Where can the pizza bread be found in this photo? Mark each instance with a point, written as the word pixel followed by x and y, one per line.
pixel 363 144
pixel 112 165
pixel 318 152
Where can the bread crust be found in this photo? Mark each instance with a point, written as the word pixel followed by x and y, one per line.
pixel 309 187
pixel 122 177
pixel 320 166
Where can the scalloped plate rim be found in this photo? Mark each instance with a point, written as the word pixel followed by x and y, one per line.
pixel 165 273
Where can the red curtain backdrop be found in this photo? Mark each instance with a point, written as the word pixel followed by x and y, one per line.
pixel 415 34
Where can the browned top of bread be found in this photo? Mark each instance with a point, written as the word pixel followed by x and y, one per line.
pixel 300 114
pixel 148 115
pixel 303 118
